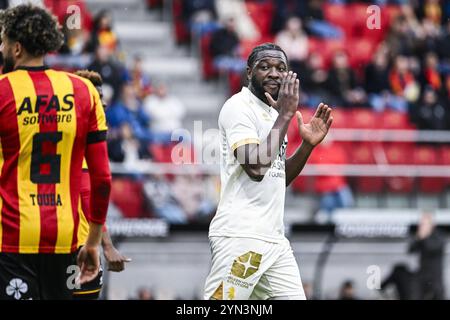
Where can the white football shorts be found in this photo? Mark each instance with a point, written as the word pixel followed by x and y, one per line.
pixel 247 268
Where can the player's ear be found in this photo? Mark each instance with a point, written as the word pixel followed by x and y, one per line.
pixel 18 49
pixel 249 73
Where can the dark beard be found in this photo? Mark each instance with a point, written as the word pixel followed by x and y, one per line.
pixel 259 90
pixel 8 65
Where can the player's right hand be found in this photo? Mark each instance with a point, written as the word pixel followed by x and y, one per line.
pixel 288 96
pixel 89 262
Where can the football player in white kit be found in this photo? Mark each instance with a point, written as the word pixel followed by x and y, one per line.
pixel 251 257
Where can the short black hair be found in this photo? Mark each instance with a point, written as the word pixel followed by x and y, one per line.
pixel 92 76
pixel 35 28
pixel 262 47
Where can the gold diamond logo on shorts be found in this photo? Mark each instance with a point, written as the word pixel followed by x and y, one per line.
pixel 231 293
pixel 246 265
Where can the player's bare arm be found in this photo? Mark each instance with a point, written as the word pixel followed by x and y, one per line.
pixel 115 260
pixel 312 134
pixel 256 159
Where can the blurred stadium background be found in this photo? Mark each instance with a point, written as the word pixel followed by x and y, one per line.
pixel 170 64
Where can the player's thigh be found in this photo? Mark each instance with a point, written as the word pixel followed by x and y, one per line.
pixel 57 276
pixel 282 279
pixel 18 278
pixel 237 265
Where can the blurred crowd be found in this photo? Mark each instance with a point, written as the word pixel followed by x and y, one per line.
pixel 404 67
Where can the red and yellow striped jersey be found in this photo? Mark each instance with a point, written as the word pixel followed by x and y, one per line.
pixel 47 118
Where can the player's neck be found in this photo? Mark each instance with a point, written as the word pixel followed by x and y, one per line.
pixel 30 62
pixel 260 96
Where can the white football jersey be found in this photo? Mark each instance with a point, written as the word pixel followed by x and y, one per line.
pixel 248 208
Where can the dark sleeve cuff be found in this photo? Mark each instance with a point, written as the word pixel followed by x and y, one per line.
pixel 97 136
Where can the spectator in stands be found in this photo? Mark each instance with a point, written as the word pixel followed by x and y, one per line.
pixel 403 82
pixel 129 109
pixel 75 39
pixel 190 194
pixel 315 22
pixel 342 83
pixel 404 281
pixel 313 78
pixel 112 72
pixel 285 8
pixel 432 11
pixel 347 291
pixel 430 75
pixel 429 244
pixel 430 37
pixel 244 24
pixel 166 111
pixel 377 84
pixel 225 49
pixel 431 112
pixel 401 39
pixel 102 33
pixel 294 42
pixel 199 15
pixel 14 3
pixel 139 79
pixel 333 189
pixel 443 48
pixel 123 147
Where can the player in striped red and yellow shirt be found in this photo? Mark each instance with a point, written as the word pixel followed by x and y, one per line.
pixel 49 120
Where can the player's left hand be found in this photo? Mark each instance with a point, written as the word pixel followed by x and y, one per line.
pixel 116 261
pixel 89 262
pixel 314 131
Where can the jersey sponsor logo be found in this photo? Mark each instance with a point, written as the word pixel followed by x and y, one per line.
pixel 17 287
pixel 246 265
pixel 38 112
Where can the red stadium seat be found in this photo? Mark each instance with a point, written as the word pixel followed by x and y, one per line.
pixel 359 15
pixel 154 3
pixel 338 15
pixel 128 196
pixel 208 70
pixel 444 156
pixel 234 82
pixel 363 153
pixel 248 45
pixel 261 13
pixel 326 48
pixel 302 184
pixel 182 34
pixel 59 9
pixel 360 51
pixel 392 11
pixel 395 120
pixel 340 118
pixel 426 155
pixel 363 119
pixel 397 154
pixel 329 48
pixel 174 152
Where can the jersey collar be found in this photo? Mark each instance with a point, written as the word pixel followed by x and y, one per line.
pixel 38 68
pixel 256 100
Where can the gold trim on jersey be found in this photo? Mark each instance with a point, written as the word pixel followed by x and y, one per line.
pixel 244 142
